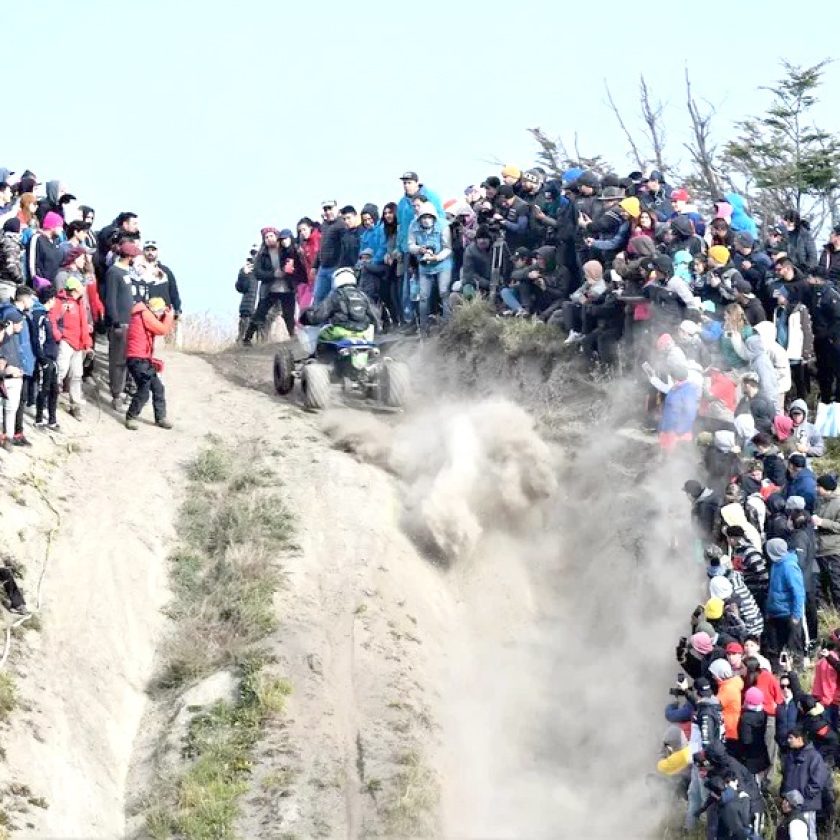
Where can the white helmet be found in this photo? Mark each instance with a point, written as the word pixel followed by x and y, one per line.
pixel 344 277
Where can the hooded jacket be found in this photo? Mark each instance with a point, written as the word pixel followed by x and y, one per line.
pixel 804 770
pixel 760 363
pixel 246 285
pixel 807 431
pixel 476 267
pixel 679 410
pixel 730 688
pixel 70 323
pixel 828 532
pixel 24 339
pixel 804 484
pixel 829 262
pixel 778 354
pixel 438 238
pixel 374 237
pixel 44 334
pixel 786 594
pixel 51 202
pixel 795 331
pixel 143 328
pixel 826 687
pixel 740 220
pixel 405 215
pixel 801 248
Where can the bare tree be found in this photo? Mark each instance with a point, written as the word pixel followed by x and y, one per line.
pixel 702 150
pixel 652 115
pixel 636 153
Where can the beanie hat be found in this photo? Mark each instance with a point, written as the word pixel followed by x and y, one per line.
pixel 828 482
pixel 794 798
pixel 754 697
pixel 744 239
pixel 678 371
pixel 701 643
pixel 664 265
pixel 631 206
pixel 721 670
pixel 664 342
pixel 776 549
pixel 285 234
pixel 511 171
pixel 702 686
pixel 798 460
pixel 12 225
pixel 703 626
pixel 795 503
pixel 679 195
pixel 734 647
pixel 690 327
pixel 129 249
pixel 674 737
pixel 52 221
pixel 693 488
pixel 720 254
pixel 720 587
pixel 506 191
pixel 714 609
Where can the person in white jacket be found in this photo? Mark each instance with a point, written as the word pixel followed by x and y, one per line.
pixel 779 358
pixel 795 333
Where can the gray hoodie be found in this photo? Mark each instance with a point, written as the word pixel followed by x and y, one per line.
pixel 807 431
pixel 768 382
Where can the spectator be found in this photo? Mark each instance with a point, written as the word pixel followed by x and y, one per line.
pixel 329 254
pixel 785 601
pixel 475 272
pixel 430 242
pixel 827 522
pixel 119 302
pixel 148 321
pixel 773 465
pixel 309 243
pixel 44 258
pixel 10 364
pixel 351 237
pixel 801 481
pixel 160 279
pixel 829 261
pixel 46 344
pixel 794 333
pixel 806 439
pixel 800 244
pixel 55 201
pixel 22 304
pixel 679 411
pixel 794 825
pixel 246 285
pixel 11 262
pixel 70 328
pixel 804 771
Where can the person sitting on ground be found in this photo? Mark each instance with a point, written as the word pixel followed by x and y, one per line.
pixel 148 321
pixel 346 310
pixel 518 294
pixel 572 315
pixel 475 271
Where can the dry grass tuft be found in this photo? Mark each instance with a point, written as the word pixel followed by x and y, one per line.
pixel 205 333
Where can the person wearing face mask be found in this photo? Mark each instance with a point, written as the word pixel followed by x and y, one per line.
pixel 119 301
pixel 280 269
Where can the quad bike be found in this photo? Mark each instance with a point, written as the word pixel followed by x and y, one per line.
pixel 358 365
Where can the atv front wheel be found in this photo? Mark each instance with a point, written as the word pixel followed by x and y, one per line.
pixel 284 370
pixel 315 380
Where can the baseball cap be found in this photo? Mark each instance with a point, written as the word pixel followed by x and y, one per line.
pixel 409 176
pixel 150 243
pixel 522 253
pixel 330 202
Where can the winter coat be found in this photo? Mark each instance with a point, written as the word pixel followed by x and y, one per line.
pixel 143 328
pixel 826 687
pixel 786 593
pixel 774 468
pixel 351 246
pixel 45 339
pixel 163 286
pixel 11 267
pixel 807 431
pixel 679 410
pixel 729 693
pixel 752 752
pixel 405 215
pixel 804 542
pixel 70 323
pixel 246 285
pixel 787 717
pixel 374 238
pixel 825 312
pixel 778 355
pixel 26 349
pixel 804 484
pixel 830 263
pixel 332 234
pixel 44 257
pixel 759 359
pixel 828 532
pixel 438 238
pixel 722 763
pixel 740 220
pixel 805 771
pixel 733 348
pixel 475 270
pixel 795 332
pixel 800 247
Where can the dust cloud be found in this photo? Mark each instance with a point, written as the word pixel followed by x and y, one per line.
pixel 570 590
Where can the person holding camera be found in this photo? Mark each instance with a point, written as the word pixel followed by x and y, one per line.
pixel 430 241
pixel 247 285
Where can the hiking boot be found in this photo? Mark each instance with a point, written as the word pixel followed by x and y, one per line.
pixel 76 412
pixel 131 423
pixel 164 423
pixel 116 403
pixel 20 440
pixel 6 444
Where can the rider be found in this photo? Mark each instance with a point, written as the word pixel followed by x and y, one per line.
pixel 346 310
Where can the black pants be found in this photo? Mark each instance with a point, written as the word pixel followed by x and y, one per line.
pixel 800 378
pixel 11 588
pixel 389 294
pixel 26 388
pixel 146 379
pixel 601 344
pixel 781 633
pixel 828 369
pixel 30 391
pixel 47 394
pixel 830 579
pixel 287 304
pixel 117 342
pixel 572 316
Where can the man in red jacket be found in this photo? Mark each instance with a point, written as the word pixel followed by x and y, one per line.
pixel 148 320
pixel 70 328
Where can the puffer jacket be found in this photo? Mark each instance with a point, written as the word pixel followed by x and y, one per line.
pixel 11 264
pixel 786 594
pixel 805 771
pixel 70 323
pixel 828 532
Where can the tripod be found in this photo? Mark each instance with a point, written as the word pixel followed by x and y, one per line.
pixel 496 260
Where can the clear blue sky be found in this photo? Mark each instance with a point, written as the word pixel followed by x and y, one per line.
pixel 212 119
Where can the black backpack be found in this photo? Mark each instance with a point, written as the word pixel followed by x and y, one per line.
pixel 354 305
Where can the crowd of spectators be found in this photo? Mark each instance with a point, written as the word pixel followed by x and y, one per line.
pixel 730 324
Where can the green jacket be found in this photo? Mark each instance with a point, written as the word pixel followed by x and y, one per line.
pixel 828 534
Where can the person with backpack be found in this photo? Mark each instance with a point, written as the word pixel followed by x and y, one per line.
pixel 346 310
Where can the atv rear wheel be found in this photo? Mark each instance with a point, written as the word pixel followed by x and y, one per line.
pixel 284 369
pixel 394 383
pixel 315 380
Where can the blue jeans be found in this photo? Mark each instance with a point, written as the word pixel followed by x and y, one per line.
pixel 510 299
pixel 323 284
pixel 444 281
pixel 406 303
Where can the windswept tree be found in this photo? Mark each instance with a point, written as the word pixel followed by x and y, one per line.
pixel 782 158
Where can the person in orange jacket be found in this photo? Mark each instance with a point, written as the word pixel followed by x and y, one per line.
pixel 70 328
pixel 148 321
pixel 730 688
